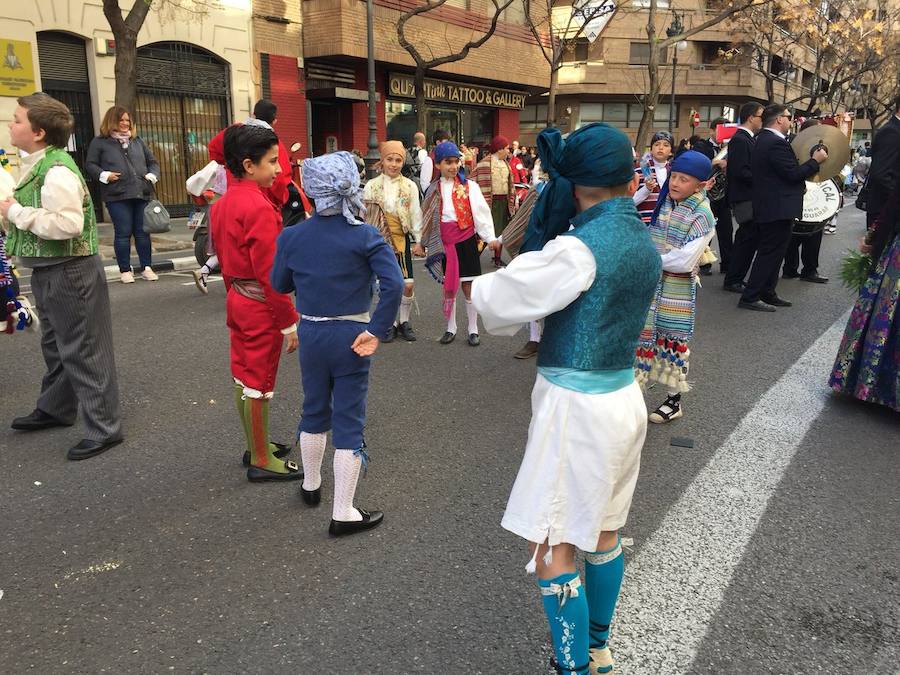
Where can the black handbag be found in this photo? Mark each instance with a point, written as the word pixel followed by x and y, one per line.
pixel 862 197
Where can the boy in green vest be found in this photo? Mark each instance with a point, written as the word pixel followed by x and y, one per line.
pixel 51 229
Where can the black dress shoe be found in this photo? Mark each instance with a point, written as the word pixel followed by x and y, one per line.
pixel 282 451
pixel 474 340
pixel 370 519
pixel 258 475
pixel 88 448
pixel 757 306
pixel 706 270
pixel 37 420
pixel 311 497
pixel 789 275
pixel 390 335
pixel 775 301
pixel 814 278
pixel 447 338
pixel 734 288
pixel 406 332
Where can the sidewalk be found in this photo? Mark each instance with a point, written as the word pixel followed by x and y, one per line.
pixel 173 250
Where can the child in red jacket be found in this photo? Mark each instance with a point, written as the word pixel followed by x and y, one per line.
pixel 245 227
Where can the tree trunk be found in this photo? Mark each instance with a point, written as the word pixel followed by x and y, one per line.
pixel 126 69
pixel 421 118
pixel 650 100
pixel 551 97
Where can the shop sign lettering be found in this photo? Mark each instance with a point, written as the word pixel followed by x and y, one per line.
pixel 403 86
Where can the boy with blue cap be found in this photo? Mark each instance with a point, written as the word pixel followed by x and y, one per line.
pixel 331 263
pixel 681 227
pixel 455 215
pixel 589 273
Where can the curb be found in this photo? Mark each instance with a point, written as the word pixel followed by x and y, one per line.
pixel 168 265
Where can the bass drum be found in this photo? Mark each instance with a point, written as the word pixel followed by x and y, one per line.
pixel 820 203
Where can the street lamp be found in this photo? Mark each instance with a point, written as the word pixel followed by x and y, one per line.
pixel 372 156
pixel 676 28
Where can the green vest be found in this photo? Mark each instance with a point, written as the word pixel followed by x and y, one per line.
pixel 23 243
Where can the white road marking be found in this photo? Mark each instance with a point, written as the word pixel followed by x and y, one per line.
pixel 676 582
pixel 95 569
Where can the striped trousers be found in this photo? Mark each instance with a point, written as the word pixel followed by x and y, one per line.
pixel 76 340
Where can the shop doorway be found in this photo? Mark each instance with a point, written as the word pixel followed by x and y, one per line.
pixel 184 99
pixel 328 125
pixel 64 76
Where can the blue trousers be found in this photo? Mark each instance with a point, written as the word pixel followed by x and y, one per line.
pixel 335 381
pixel 128 221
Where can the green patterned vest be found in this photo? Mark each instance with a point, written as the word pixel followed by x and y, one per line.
pixel 27 245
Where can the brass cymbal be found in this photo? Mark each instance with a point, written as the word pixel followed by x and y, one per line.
pixel 836 143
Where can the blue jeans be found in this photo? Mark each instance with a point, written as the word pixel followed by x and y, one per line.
pixel 128 221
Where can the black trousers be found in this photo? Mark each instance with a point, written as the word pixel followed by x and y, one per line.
pixel 774 239
pixel 806 250
pixel 724 231
pixel 743 249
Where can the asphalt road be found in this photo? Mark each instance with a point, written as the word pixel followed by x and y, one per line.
pixel 158 556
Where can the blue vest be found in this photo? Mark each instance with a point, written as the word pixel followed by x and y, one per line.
pixel 600 329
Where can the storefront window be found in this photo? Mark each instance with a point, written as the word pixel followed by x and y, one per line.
pixel 401 121
pixel 622 115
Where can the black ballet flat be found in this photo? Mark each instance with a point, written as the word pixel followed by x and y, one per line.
pixel 282 452
pixel 370 519
pixel 311 497
pixel 447 338
pixel 258 475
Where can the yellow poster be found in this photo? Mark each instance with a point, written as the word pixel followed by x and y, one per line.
pixel 16 68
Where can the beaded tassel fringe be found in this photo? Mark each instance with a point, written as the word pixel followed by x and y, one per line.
pixel 665 362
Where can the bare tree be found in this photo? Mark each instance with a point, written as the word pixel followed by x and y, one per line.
pixel 125 30
pixel 558 38
pixel 423 64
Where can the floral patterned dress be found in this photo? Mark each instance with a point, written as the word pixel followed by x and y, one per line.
pixel 868 360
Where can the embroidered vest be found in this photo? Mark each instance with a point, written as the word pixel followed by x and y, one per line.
pixel 462 205
pixel 27 245
pixel 600 329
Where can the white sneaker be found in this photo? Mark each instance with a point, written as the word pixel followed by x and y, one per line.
pixel 200 280
pixel 601 661
pixel 149 275
pixel 127 278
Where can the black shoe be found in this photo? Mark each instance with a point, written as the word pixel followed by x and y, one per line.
pixel 282 451
pixel 406 332
pixel 87 449
pixel 789 275
pixel 706 270
pixel 775 301
pixel 390 335
pixel 757 306
pixel 447 338
pixel 258 475
pixel 734 288
pixel 311 497
pixel 499 264
pixel 474 340
pixel 37 420
pixel 814 278
pixel 370 519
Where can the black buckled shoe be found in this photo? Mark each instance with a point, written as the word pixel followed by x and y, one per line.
pixel 370 519
pixel 447 338
pixel 87 448
pixel 282 452
pixel 258 475
pixel 390 335
pixel 406 332
pixel 311 497
pixel 474 340
pixel 36 420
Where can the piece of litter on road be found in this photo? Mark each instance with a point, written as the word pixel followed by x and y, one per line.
pixel 1 593
pixel 627 542
pixel 38 483
pixel 682 442
pixel 212 401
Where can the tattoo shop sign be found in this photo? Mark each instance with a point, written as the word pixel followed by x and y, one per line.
pixel 403 86
pixel 16 68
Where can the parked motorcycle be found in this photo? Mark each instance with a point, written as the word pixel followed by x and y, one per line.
pixel 198 221
pixel 298 207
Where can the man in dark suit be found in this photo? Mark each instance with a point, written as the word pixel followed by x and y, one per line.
pixel 740 195
pixel 883 172
pixel 710 147
pixel 779 182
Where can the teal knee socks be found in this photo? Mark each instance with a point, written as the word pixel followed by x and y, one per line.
pixel 567 612
pixel 603 571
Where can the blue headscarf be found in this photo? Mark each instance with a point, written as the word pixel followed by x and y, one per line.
pixel 690 162
pixel 332 180
pixel 596 155
pixel 448 149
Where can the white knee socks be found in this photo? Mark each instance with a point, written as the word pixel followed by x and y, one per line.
pixel 346 474
pixel 312 450
pixel 405 308
pixel 451 322
pixel 472 315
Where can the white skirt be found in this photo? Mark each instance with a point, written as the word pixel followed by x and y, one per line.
pixel 580 466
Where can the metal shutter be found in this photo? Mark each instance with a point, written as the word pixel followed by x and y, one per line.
pixel 62 58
